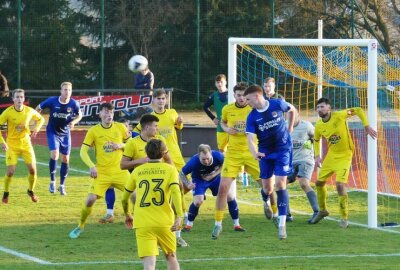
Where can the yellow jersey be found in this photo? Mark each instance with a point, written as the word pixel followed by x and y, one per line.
pixel 135 147
pixel 336 131
pixel 235 117
pixel 107 159
pixel 18 129
pixel 167 128
pixel 154 183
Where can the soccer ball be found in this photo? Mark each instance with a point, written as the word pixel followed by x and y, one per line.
pixel 137 63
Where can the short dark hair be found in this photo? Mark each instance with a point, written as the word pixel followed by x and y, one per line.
pixel 220 77
pixel 147 119
pixel 323 100
pixel 106 105
pixel 253 89
pixel 241 86
pixel 155 149
pixel 159 92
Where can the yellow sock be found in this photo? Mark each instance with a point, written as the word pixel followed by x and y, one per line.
pixel 32 181
pixel 7 181
pixel 344 207
pixel 219 215
pixel 85 212
pixel 274 209
pixel 322 195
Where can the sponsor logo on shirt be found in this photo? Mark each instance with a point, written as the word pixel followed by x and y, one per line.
pixel 334 139
pixel 61 115
pixel 269 124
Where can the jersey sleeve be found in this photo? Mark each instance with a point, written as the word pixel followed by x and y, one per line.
pixel 76 108
pixel 317 137
pixel 310 130
pixel 129 150
pixel 131 183
pixel 89 138
pixel 285 106
pixel 138 128
pixel 360 113
pixel 38 118
pixel 175 117
pixel 3 117
pixel 188 168
pixel 250 127
pixel 44 104
pixel 219 158
pixel 224 116
pixel 206 107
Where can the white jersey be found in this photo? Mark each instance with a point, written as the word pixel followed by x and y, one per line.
pixel 302 137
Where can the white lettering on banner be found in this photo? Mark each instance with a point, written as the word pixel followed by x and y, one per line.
pixel 91 106
pixel 269 124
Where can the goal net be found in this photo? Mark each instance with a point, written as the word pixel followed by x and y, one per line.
pixel 351 73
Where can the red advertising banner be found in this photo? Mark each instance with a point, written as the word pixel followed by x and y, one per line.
pixel 131 107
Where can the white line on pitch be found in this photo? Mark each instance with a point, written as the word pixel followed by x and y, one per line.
pixel 23 256
pixel 327 218
pixel 321 256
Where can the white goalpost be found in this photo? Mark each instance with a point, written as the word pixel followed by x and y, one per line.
pixel 372 102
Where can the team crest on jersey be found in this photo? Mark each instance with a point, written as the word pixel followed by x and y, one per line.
pixel 274 114
pixel 69 109
pixel 334 139
pixel 296 144
pixel 19 128
pixel 107 147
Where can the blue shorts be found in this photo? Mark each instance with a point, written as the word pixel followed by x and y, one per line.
pixel 202 186
pixel 278 163
pixel 59 142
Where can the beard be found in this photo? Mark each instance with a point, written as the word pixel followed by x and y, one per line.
pixel 323 115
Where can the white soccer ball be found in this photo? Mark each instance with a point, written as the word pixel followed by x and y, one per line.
pixel 137 63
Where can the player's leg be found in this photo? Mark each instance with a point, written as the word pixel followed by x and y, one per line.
pixel 283 201
pixel 147 248
pixel 322 192
pixel 198 199
pixel 220 204
pixel 234 208
pixel 11 163
pixel 65 150
pixel 167 244
pixel 85 213
pixel 54 144
pixel 28 155
pixel 7 180
pixel 342 175
pixel 110 201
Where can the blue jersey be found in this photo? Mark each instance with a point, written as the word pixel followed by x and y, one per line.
pixel 199 170
pixel 270 127
pixel 60 114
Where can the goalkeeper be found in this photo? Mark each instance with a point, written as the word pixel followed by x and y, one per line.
pixel 303 160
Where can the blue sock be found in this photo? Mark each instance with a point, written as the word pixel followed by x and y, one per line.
pixel 233 209
pixel 264 195
pixel 283 201
pixel 110 198
pixel 193 212
pixel 63 172
pixel 53 169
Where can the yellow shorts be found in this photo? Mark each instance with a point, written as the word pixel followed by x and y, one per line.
pixel 338 164
pixel 25 151
pixel 222 140
pixel 149 238
pixel 105 181
pixel 234 161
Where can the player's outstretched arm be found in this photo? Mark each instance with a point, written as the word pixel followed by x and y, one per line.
pixel 371 132
pixel 252 146
pixel 125 206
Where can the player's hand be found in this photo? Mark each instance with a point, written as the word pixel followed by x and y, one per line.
pixel 179 120
pixel 33 134
pixel 371 132
pixel 191 186
pixel 93 172
pixel 216 121
pixel 4 146
pixel 232 131
pixel 259 156
pixel 129 222
pixel 177 224
pixel 141 161
pixel 318 161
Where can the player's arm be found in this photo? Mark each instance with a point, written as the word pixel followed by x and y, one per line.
pixel 39 123
pixel 206 107
pixel 251 143
pixel 3 120
pixel 188 185
pixel 224 123
pixel 84 154
pixel 177 201
pixel 76 119
pixel 38 109
pixel 291 117
pixel 151 80
pixel 178 121
pixel 128 163
pixel 361 114
pixel 317 146
pixel 212 174
pixel 130 187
